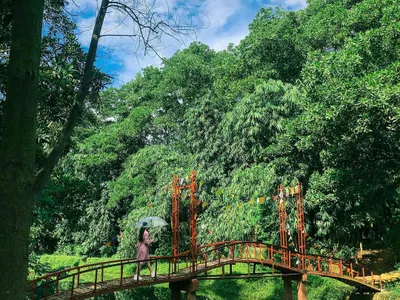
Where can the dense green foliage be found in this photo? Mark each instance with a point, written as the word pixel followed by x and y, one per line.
pixel 312 95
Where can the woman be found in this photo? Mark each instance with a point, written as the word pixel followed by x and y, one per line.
pixel 143 249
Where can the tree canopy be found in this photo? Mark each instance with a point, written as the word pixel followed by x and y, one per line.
pixel 311 95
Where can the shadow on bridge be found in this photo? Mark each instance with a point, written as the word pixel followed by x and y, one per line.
pixel 184 271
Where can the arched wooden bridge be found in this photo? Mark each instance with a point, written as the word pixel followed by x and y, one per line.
pixel 91 280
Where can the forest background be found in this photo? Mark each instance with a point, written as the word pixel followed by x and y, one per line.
pixel 310 96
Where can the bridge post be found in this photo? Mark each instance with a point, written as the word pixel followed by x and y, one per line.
pixel 301 287
pixel 175 293
pixel 189 286
pixel 287 288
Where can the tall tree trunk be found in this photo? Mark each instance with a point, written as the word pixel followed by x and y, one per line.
pixel 63 140
pixel 17 147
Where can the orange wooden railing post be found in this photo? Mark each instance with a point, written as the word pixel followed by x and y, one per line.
pixel 155 272
pixel 363 273
pixel 247 251
pixel 290 259
pixel 272 253
pixel 380 282
pixel 95 280
pixel 341 267
pixel 57 283
pixel 46 287
pixel 169 268
pixel 330 265
pixel 351 270
pixel 205 264
pixel 138 272
pixel 319 264
pixel 372 278
pixel 73 283
pixel 122 273
pixel 175 260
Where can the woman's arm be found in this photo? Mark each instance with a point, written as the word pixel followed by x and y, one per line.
pixel 146 238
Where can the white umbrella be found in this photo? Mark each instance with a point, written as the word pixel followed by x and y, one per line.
pixel 152 222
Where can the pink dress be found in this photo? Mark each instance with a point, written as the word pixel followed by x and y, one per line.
pixel 143 248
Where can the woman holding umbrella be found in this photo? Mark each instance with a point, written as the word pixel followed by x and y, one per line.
pixel 143 249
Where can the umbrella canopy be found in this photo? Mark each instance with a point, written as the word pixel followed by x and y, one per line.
pixel 152 222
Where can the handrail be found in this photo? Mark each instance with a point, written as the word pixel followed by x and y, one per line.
pixel 60 275
pixel 102 263
pixel 268 245
pixel 306 260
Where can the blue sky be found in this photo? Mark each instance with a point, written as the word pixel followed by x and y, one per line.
pixel 222 22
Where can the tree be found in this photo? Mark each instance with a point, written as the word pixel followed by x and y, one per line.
pixel 18 183
pixel 18 143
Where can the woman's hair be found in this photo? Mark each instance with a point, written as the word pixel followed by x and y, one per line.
pixel 141 232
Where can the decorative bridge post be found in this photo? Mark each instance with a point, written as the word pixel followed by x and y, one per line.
pixel 282 222
pixel 175 217
pixel 283 194
pixel 301 240
pixel 193 218
pixel 176 194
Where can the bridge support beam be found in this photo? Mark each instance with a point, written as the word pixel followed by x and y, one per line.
pixel 301 287
pixel 189 286
pixel 287 288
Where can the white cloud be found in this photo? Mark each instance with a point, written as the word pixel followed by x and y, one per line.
pixel 296 4
pixel 218 11
pixel 286 4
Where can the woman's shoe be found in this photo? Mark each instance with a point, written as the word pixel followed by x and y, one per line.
pixel 135 277
pixel 153 274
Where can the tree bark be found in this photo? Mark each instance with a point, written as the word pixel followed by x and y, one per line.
pixel 63 140
pixel 17 147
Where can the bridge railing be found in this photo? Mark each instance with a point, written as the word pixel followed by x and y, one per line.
pixel 274 255
pixel 71 279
